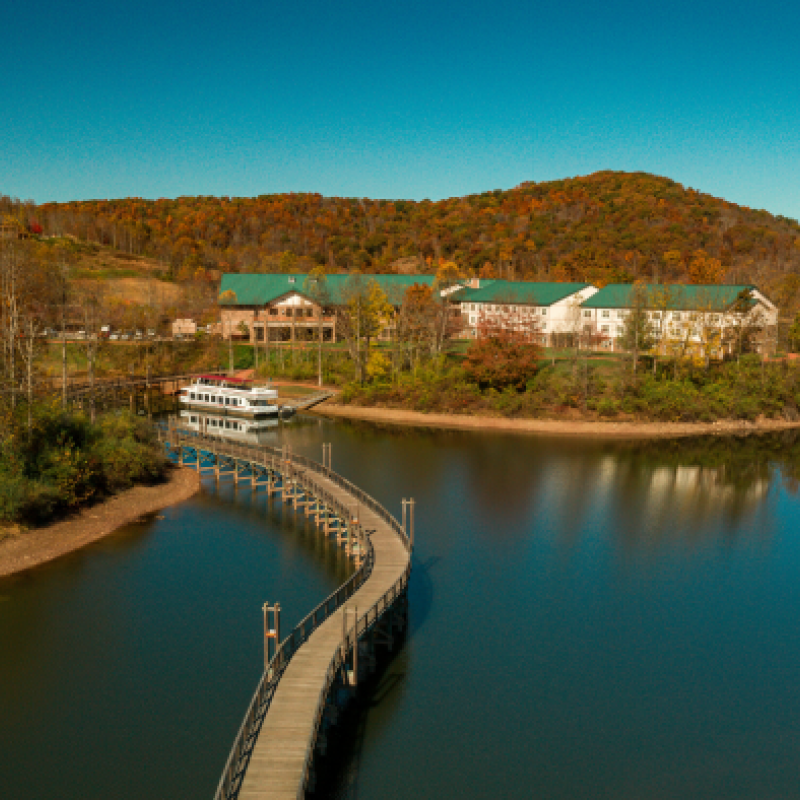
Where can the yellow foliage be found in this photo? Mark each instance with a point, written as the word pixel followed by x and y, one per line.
pixel 379 368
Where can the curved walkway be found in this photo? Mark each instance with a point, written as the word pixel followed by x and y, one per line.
pixel 273 752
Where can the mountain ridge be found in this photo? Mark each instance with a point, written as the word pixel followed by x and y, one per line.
pixel 605 227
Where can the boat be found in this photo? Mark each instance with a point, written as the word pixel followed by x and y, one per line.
pixel 231 396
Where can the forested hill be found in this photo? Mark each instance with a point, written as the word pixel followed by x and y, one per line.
pixel 610 226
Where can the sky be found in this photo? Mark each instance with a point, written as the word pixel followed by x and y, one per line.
pixel 409 100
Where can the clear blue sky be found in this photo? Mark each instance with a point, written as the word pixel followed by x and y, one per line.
pixel 398 100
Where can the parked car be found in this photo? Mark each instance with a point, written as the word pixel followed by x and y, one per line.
pixel 113 337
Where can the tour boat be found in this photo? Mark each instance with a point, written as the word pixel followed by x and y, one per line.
pixel 231 396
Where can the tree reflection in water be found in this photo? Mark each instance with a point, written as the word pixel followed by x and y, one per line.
pixel 688 491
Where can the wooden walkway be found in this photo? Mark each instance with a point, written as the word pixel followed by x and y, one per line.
pixel 278 763
pixel 273 754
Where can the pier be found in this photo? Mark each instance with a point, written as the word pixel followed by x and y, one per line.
pixel 305 673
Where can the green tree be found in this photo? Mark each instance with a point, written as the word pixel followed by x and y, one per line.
pixel 637 335
pixel 794 335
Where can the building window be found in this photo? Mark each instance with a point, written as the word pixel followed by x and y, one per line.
pixel 676 316
pixel 620 313
pixel 606 313
pixel 620 330
pixel 544 312
pixel 544 326
pixel 587 313
pixel 605 329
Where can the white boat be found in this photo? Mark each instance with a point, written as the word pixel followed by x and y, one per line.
pixel 231 396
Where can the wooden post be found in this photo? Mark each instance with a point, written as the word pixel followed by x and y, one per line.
pixel 411 504
pixel 355 646
pixel 271 632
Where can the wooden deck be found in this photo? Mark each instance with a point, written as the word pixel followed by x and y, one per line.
pixel 273 754
pixel 278 762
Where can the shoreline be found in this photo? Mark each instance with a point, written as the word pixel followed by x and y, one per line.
pixel 553 427
pixel 23 551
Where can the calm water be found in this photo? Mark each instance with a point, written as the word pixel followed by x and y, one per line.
pixel 588 620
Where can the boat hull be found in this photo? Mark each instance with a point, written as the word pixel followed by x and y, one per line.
pixel 263 412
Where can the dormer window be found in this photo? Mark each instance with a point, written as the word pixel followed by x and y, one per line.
pixel 291 279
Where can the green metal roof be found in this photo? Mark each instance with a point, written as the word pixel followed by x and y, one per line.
pixel 680 296
pixel 258 289
pixel 522 292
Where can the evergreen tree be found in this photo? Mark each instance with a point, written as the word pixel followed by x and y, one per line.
pixel 638 335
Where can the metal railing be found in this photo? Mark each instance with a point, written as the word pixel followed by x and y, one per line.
pixel 285 464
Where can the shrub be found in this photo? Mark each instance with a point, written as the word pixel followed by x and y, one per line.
pixel 65 461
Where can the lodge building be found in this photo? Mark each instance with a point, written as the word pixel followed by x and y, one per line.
pixel 685 319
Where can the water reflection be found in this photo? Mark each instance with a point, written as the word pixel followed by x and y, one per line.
pixel 588 618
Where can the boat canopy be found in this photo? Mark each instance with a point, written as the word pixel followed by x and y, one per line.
pixel 223 380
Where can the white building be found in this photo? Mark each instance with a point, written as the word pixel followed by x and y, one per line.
pixel 543 310
pixel 685 319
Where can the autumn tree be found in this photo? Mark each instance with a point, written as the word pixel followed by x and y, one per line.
pixel 362 314
pixel 502 357
pixel 417 323
pixel 315 286
pixel 703 269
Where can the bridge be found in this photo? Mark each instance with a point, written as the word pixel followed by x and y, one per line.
pixel 297 698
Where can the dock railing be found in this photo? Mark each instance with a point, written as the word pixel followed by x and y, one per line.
pixel 287 464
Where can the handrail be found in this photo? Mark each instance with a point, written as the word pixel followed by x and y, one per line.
pixel 259 704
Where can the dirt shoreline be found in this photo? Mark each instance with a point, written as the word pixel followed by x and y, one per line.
pixel 23 551
pixel 554 427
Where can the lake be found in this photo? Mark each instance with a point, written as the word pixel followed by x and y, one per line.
pixel 588 619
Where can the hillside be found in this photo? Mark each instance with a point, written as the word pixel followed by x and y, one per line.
pixel 609 226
